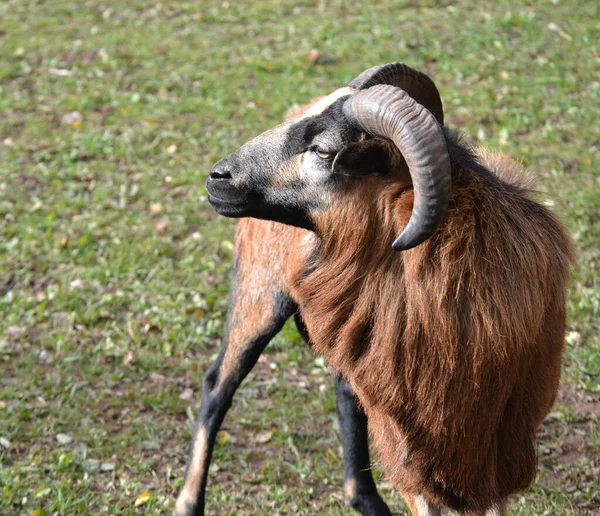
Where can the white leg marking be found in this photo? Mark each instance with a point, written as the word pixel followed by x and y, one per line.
pixel 498 510
pixel 195 472
pixel 349 490
pixel 425 508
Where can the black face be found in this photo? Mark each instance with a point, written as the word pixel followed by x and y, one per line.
pixel 288 172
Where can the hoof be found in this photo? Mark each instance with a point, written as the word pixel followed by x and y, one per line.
pixel 370 505
pixel 185 507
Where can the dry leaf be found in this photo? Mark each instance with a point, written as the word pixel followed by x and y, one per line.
pixel 128 358
pixel 43 492
pixel 61 72
pixel 72 118
pixel 155 207
pixel 143 498
pixel 224 437
pixel 130 331
pixel 158 378
pixel 14 331
pixel 169 503
pixel 313 55
pixel 263 437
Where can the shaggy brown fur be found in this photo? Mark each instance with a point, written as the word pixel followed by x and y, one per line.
pixel 453 347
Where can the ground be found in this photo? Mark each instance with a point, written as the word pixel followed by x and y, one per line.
pixel 114 271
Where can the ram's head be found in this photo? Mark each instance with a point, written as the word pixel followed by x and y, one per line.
pixel 385 127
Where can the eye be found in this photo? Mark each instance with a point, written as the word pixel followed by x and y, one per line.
pixel 323 154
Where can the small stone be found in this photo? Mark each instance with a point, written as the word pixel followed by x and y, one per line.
pixel 76 283
pixel 187 394
pixel 64 439
pixel 46 357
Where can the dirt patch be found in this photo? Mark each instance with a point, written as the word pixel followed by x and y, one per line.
pixel 568 449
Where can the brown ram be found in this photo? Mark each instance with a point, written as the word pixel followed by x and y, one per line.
pixel 453 346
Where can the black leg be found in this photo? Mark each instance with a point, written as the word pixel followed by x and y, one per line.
pixel 252 323
pixel 359 487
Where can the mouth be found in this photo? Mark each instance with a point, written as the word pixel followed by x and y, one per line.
pixel 226 199
pixel 227 208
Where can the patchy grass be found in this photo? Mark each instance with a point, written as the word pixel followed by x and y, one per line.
pixel 114 270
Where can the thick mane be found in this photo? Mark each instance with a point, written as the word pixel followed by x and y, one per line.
pixel 452 347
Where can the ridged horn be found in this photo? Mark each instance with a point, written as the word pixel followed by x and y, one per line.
pixel 417 84
pixel 392 113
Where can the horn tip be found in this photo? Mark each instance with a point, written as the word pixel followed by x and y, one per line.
pixel 400 245
pixel 410 239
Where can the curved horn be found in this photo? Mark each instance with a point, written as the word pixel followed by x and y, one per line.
pixel 390 112
pixel 418 85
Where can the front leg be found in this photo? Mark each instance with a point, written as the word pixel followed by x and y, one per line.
pixel 360 490
pixel 253 320
pixel 359 487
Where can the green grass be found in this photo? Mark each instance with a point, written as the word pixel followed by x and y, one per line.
pixel 114 270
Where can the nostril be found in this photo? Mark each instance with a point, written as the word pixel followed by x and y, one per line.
pixel 220 173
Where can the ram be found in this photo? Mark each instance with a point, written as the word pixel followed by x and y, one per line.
pixel 448 338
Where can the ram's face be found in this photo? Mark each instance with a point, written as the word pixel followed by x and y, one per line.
pixel 386 123
pixel 299 167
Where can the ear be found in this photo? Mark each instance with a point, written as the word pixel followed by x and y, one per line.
pixel 362 159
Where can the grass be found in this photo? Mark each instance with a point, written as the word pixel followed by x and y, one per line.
pixel 114 270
